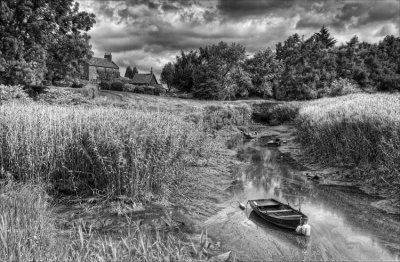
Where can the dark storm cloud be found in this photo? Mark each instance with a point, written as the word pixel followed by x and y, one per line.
pixel 345 14
pixel 242 8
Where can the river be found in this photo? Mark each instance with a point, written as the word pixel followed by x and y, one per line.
pixel 344 226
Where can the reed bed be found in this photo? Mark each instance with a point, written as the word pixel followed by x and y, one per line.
pixel 28 233
pixel 358 129
pixel 98 149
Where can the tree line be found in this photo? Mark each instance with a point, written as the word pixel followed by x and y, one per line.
pixel 298 69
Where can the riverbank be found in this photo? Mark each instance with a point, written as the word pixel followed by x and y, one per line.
pixel 345 224
pixel 351 140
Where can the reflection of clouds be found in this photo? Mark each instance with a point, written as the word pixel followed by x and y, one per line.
pixel 333 237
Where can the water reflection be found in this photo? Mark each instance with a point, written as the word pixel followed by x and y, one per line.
pixel 341 229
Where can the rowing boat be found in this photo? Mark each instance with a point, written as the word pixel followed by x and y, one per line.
pixel 250 135
pixel 277 213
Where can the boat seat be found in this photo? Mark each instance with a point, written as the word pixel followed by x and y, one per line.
pixel 279 211
pixel 266 203
pixel 290 216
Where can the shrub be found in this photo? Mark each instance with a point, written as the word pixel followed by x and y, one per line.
pixel 139 89
pixel 117 86
pixel 62 83
pixel 62 96
pixel 129 88
pixel 105 86
pixel 148 90
pixel 218 116
pixel 12 92
pixel 340 87
pixel 77 85
pixel 276 113
pixel 285 112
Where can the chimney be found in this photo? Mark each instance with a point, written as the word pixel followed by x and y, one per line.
pixel 108 56
pixel 151 70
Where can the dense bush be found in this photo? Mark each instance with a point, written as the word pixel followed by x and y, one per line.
pixel 105 85
pixel 77 85
pixel 129 88
pixel 62 83
pixel 64 96
pixel 117 86
pixel 276 113
pixel 218 116
pixel 12 92
pixel 139 89
pixel 148 90
pixel 340 87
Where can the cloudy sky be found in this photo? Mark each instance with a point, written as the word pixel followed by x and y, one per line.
pixel 150 33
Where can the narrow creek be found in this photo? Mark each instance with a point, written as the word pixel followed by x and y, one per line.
pixel 344 226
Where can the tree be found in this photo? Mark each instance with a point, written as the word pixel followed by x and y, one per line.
pixel 167 75
pixel 308 68
pixel 135 71
pixel 264 71
pixel 184 68
pixel 38 37
pixel 129 72
pixel 221 62
pixel 324 37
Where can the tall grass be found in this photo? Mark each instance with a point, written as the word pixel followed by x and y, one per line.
pixel 104 149
pixel 359 129
pixel 27 233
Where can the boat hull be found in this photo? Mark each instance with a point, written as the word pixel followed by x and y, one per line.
pixel 289 222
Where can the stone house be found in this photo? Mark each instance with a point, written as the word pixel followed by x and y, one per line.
pixel 98 69
pixel 145 79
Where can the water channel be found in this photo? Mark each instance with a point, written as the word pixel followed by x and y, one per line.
pixel 344 226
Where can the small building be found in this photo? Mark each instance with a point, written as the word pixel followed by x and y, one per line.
pixel 145 79
pixel 98 69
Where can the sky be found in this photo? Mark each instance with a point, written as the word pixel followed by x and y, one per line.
pixel 150 33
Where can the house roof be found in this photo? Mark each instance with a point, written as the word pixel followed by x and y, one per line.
pixel 143 78
pixel 103 62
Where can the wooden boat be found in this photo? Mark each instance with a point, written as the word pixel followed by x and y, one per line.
pixel 250 135
pixel 277 213
pixel 275 142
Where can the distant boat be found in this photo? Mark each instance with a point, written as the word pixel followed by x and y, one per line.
pixel 250 135
pixel 276 142
pixel 277 213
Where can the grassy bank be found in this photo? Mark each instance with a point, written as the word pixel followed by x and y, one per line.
pixel 28 233
pixel 357 130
